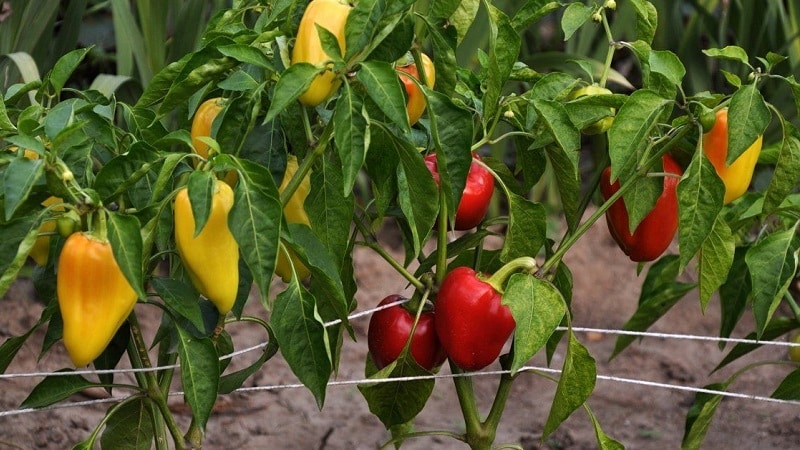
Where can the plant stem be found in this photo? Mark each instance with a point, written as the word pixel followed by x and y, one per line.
pixel 469 407
pixel 498 406
pixel 441 241
pixel 139 357
pixel 387 257
pixel 305 165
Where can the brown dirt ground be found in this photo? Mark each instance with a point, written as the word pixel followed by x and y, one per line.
pixel 605 295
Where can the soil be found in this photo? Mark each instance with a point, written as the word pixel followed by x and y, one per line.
pixel 605 295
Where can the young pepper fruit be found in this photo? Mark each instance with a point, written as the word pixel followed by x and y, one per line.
pixel 331 15
pixel 388 334
pixel 736 176
pixel 415 105
pixel 94 296
pixel 293 212
pixel 602 125
pixel 471 321
pixel 476 196
pixel 202 122
pixel 654 234
pixel 212 257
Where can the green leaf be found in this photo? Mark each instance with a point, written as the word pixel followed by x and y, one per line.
pixel 578 377
pixel 205 66
pixel 302 338
pixel 734 293
pixel 232 381
pixel 699 417
pixel 12 345
pixel 294 81
pixel 247 54
pixel 700 195
pixel 201 186
pixel 533 11
pixel 56 388
pixel 199 374
pixel 181 298
pixel 731 53
pixel 787 170
pixel 772 263
pixel 397 402
pixel 255 222
pixel 778 326
pixel 660 292
pixel 630 133
pixel 329 208
pixel 504 45
pixel 129 426
pixel 452 140
pixel 326 281
pixel 641 200
pixel 351 134
pixel 789 389
pixel 126 242
pixel 383 85
pixel 443 40
pixel 415 182
pixel 16 258
pixel 646 20
pixel 604 442
pixel 5 122
pixel 463 17
pixel 575 15
pixel 362 23
pixel 330 44
pixel 565 167
pixel 19 178
pixel 748 118
pixel 537 307
pixel 667 64
pixel 64 68
pixel 527 228
pixel 716 258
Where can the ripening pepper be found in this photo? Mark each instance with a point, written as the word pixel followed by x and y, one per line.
pixel 293 212
pixel 202 122
pixel 736 176
pixel 94 296
pixel 477 194
pixel 212 257
pixel 471 321
pixel 415 105
pixel 331 15
pixel 654 234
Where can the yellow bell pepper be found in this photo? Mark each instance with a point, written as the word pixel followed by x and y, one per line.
pixel 738 175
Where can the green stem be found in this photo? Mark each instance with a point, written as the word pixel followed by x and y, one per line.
pixel 153 389
pixel 441 240
pixel 305 165
pixel 421 434
pixel 387 257
pixel 466 399
pixel 570 239
pixel 498 406
pixel 610 53
pixel 524 263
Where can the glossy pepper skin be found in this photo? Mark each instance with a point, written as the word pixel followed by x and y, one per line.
pixel 212 257
pixel 202 122
pixel 331 15
pixel 477 193
pixel 738 175
pixel 415 105
pixel 389 330
pixel 471 321
pixel 654 234
pixel 94 296
pixel 293 212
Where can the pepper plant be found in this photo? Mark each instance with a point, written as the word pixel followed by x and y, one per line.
pixel 309 148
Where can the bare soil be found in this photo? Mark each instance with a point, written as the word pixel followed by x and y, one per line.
pixel 605 295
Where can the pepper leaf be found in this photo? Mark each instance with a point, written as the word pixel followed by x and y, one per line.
pixel 55 388
pixel 199 374
pixel 537 307
pixel 527 228
pixel 124 233
pixel 129 426
pixel 302 338
pixel 397 402
pixel 748 118
pixel 351 135
pixel 578 377
pixel 716 258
